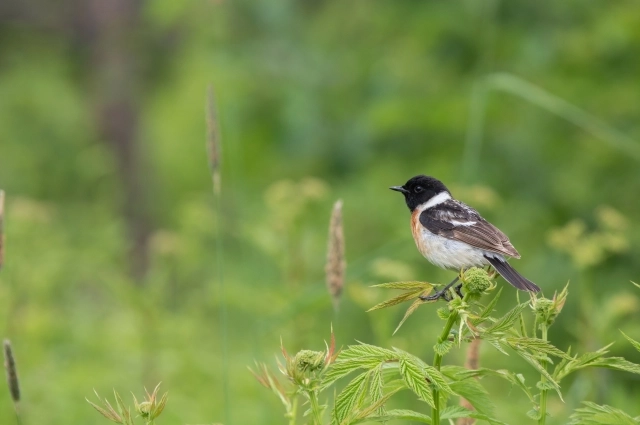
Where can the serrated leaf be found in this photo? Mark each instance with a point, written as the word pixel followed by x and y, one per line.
pixel 506 322
pixel 534 414
pixel 376 389
pixel 340 369
pixel 580 362
pixel 433 375
pixel 407 285
pixel 537 366
pixel 443 313
pixel 415 380
pixel 399 299
pixel 443 347
pixel 497 344
pixel 401 414
pixel 350 398
pixel 536 345
pixel 617 363
pixel 633 342
pixel 377 406
pixel 593 414
pixel 514 379
pixel 362 350
pixel 544 385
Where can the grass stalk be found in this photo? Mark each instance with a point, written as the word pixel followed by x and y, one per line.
pixel 12 378
pixel 335 266
pixel 294 411
pixel 214 156
pixel 535 95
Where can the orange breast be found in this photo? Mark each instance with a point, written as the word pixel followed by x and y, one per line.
pixel 416 230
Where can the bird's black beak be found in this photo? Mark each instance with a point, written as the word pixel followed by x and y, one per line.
pixel 399 189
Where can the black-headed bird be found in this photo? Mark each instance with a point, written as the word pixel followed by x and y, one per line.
pixel 452 235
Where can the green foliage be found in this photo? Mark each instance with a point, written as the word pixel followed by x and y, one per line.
pixel 384 372
pixel 593 414
pixel 148 410
pixel 316 100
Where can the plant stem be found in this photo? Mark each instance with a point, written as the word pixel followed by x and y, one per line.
pixel 437 362
pixel 294 411
pixel 543 391
pixel 315 407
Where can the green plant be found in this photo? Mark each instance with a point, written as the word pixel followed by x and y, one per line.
pixel 382 372
pixel 148 410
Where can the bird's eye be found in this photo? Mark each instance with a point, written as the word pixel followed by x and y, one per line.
pixel 418 189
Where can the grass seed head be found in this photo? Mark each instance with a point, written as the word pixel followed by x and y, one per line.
pixel 336 264
pixel 12 372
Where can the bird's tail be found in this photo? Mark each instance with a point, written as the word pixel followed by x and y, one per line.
pixel 512 276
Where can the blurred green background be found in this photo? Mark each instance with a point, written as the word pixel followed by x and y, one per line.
pixel 114 275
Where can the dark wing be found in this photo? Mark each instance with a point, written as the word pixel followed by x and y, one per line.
pixel 455 220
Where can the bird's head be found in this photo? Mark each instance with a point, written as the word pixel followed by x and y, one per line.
pixel 420 189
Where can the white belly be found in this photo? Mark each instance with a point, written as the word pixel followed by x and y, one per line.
pixel 451 254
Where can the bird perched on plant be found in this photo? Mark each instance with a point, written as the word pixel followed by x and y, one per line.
pixel 452 235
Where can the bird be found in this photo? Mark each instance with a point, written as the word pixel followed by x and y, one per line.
pixel 452 235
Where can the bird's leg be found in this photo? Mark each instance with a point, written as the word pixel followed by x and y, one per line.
pixel 458 290
pixel 441 293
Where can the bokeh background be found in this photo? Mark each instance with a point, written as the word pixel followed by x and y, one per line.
pixel 122 270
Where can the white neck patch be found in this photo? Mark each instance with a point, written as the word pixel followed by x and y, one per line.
pixel 436 200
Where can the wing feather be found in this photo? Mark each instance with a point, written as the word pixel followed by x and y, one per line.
pixel 457 221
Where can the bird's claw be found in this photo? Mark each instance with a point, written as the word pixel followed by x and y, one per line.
pixel 445 294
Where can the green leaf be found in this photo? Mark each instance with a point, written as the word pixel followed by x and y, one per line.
pixel 617 363
pixel 475 394
pixel 497 344
pixel 593 414
pixel 531 359
pixel 340 369
pixel 377 388
pixel 536 345
pixel 443 347
pixel 506 322
pixel 415 380
pixel 585 360
pixel 364 415
pixel 454 412
pixel 633 342
pixel 408 285
pixel 596 359
pixel 363 350
pixel 401 414
pixel 514 379
pixel 400 299
pixel 350 398
pixel 125 411
pixel 443 313
pixel 429 372
pixel 534 414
